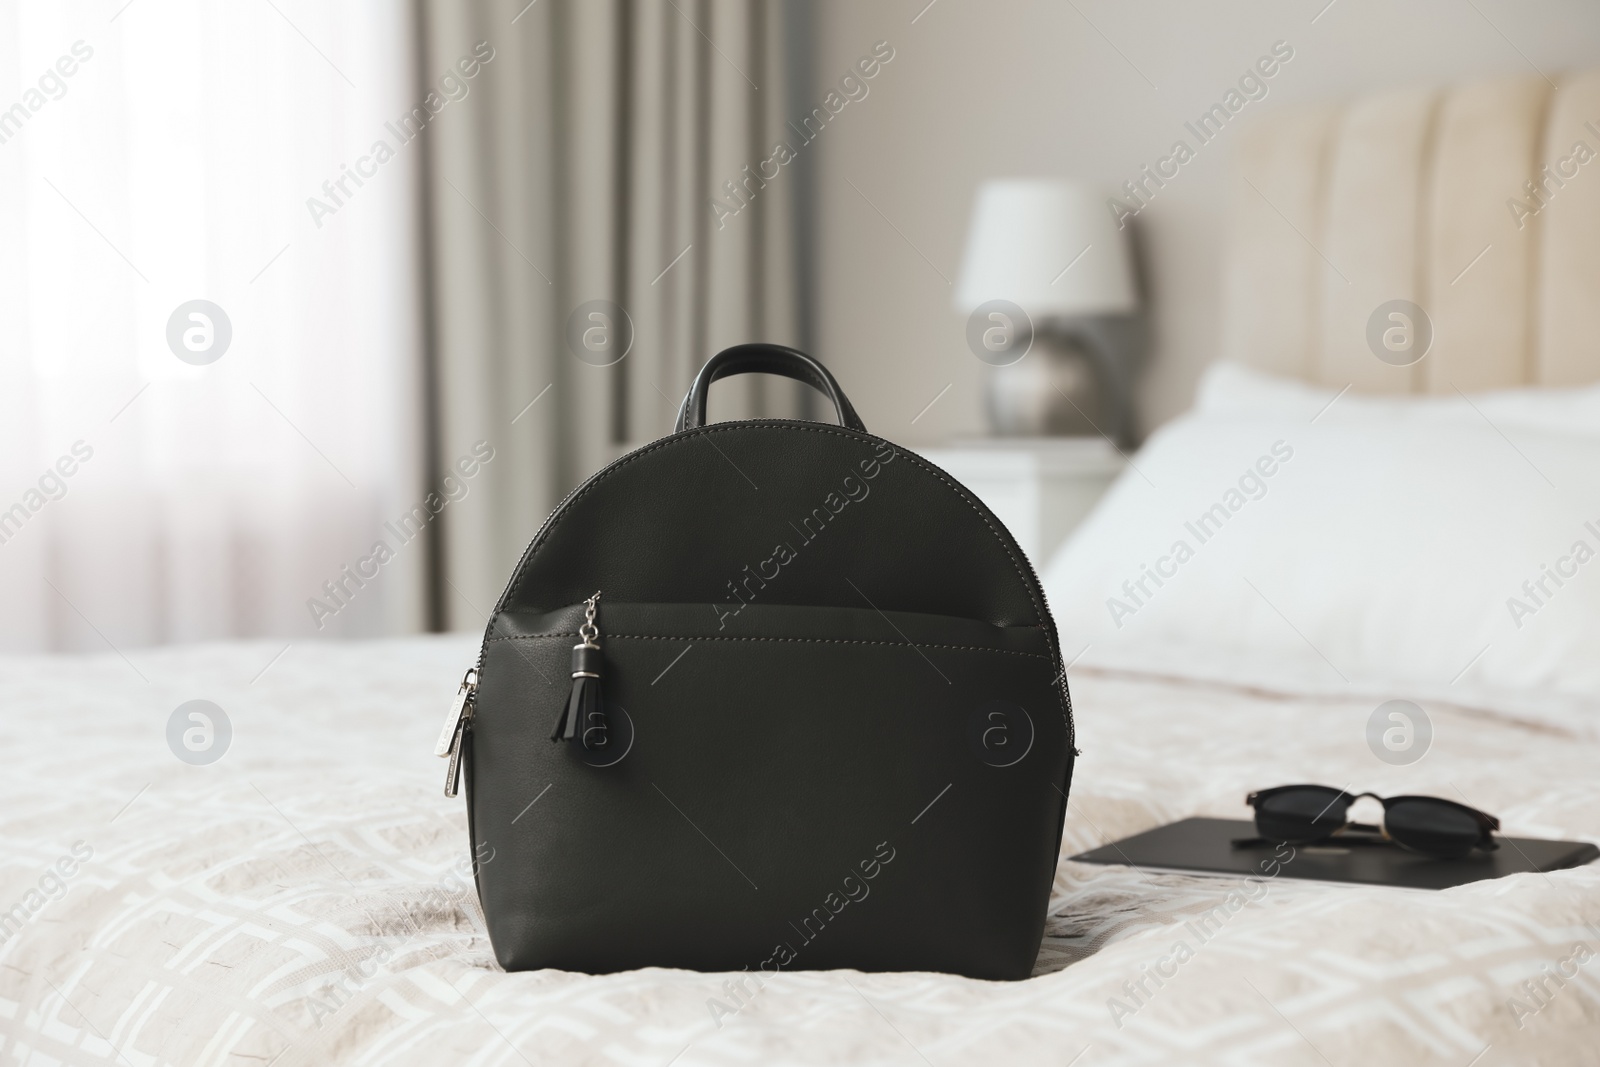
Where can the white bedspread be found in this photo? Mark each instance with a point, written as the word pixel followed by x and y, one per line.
pixel 298 901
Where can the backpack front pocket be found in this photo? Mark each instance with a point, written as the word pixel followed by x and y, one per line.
pixel 801 780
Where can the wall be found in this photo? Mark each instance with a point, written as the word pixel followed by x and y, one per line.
pixel 1090 90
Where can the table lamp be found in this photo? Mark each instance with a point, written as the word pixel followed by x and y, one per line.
pixel 1046 281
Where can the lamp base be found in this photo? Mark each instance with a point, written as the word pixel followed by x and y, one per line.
pixel 1053 391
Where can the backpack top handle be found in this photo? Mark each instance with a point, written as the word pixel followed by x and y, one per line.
pixel 763 359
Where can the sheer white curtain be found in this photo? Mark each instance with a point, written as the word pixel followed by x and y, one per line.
pixel 164 152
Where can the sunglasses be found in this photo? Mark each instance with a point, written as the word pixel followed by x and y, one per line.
pixel 1300 814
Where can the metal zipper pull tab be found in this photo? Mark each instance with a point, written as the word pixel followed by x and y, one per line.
pixel 458 711
pixel 455 724
pixel 452 772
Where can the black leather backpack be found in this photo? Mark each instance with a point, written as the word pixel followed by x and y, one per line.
pixel 767 695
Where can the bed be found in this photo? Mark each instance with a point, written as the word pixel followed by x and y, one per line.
pixel 302 901
pixel 307 898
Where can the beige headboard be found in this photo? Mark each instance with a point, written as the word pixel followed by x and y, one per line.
pixel 1409 196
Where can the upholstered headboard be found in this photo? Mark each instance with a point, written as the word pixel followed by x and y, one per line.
pixel 1422 196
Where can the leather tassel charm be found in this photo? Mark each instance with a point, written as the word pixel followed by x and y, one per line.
pixel 584 719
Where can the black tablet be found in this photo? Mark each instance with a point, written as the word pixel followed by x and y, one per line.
pixel 1207 845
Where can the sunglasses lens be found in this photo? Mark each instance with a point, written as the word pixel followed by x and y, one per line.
pixel 1432 826
pixel 1304 813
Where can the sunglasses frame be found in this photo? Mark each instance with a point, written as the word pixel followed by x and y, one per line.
pixel 1487 824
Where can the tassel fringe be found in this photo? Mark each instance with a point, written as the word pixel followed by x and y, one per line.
pixel 584 719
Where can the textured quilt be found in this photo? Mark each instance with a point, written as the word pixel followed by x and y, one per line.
pixel 306 897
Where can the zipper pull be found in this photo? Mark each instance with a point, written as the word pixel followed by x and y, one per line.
pixel 452 772
pixel 584 719
pixel 455 724
pixel 458 711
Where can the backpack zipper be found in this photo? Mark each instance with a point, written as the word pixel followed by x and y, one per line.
pixel 456 724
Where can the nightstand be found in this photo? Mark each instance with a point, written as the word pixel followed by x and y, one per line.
pixel 1040 487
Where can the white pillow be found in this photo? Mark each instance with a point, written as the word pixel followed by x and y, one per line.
pixel 1233 390
pixel 1371 556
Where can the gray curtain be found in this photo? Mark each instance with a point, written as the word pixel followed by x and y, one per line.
pixel 615 151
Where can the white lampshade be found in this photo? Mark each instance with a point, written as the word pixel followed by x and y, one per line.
pixel 1051 247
